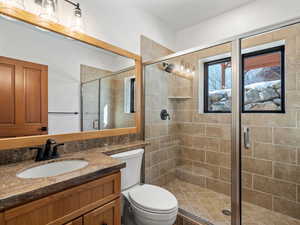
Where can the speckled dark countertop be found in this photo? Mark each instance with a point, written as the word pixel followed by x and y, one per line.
pixel 15 191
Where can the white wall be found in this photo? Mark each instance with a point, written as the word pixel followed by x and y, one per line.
pixel 116 22
pixel 63 57
pixel 255 15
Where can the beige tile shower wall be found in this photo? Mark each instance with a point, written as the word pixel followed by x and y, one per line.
pixel 152 50
pixel 273 161
pixel 162 154
pixel 205 139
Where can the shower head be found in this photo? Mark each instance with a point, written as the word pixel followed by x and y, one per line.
pixel 168 67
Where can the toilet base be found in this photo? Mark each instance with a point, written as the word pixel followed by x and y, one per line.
pixel 127 215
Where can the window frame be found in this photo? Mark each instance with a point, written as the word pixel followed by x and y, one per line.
pixel 280 49
pixel 129 94
pixel 206 83
pixel 132 95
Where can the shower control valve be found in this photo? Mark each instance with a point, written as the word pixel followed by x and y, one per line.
pixel 164 115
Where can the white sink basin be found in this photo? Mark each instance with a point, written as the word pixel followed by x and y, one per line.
pixel 53 169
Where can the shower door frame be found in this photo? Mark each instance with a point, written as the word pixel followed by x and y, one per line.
pixel 81 103
pixel 236 184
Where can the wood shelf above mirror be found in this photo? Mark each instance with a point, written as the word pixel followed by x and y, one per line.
pixel 87 88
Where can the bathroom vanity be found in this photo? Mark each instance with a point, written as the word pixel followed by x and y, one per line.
pixel 90 195
pixel 96 202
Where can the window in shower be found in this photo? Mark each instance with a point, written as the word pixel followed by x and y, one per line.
pixel 217 86
pixel 263 80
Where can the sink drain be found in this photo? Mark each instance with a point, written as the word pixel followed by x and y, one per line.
pixel 226 212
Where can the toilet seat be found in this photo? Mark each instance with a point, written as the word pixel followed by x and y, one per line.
pixel 153 199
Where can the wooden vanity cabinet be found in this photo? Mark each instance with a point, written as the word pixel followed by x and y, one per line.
pixel 78 221
pixel 109 214
pixel 93 203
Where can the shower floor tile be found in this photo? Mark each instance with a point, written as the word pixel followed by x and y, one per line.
pixel 208 205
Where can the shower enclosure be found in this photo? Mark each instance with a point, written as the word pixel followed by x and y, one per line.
pixel 230 151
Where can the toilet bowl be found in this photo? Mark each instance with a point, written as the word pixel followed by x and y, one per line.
pixel 150 204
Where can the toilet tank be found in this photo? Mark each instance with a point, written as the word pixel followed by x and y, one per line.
pixel 131 174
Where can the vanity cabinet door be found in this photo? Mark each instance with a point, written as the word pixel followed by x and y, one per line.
pixel 62 207
pixel 108 214
pixel 77 221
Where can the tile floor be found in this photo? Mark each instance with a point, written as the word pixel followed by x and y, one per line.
pixel 208 205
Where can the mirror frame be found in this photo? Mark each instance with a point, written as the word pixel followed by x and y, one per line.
pixel 35 20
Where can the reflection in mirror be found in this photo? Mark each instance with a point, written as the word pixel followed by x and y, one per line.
pixel 51 84
pixel 107 98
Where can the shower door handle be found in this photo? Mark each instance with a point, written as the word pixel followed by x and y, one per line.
pixel 247 137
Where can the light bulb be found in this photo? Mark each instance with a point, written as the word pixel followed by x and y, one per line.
pixel 48 10
pixel 76 20
pixel 181 66
pixel 14 3
pixel 193 71
pixel 188 70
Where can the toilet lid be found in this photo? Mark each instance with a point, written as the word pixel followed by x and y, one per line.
pixel 153 198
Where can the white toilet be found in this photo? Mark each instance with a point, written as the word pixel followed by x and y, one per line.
pixel 150 204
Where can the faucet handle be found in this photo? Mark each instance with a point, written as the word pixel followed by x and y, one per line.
pixel 50 141
pixel 55 153
pixel 164 115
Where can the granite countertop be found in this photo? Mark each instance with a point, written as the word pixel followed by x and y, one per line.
pixel 16 191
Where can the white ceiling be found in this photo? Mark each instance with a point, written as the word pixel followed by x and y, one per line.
pixel 179 14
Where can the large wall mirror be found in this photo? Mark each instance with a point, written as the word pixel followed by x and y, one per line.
pixel 52 84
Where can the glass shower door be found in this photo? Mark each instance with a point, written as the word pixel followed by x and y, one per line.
pixel 270 80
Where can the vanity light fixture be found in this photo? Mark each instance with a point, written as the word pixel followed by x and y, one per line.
pixel 14 3
pixel 49 10
pixel 76 20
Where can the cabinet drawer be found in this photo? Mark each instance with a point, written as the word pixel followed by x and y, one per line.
pixel 64 206
pixel 77 221
pixel 108 214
